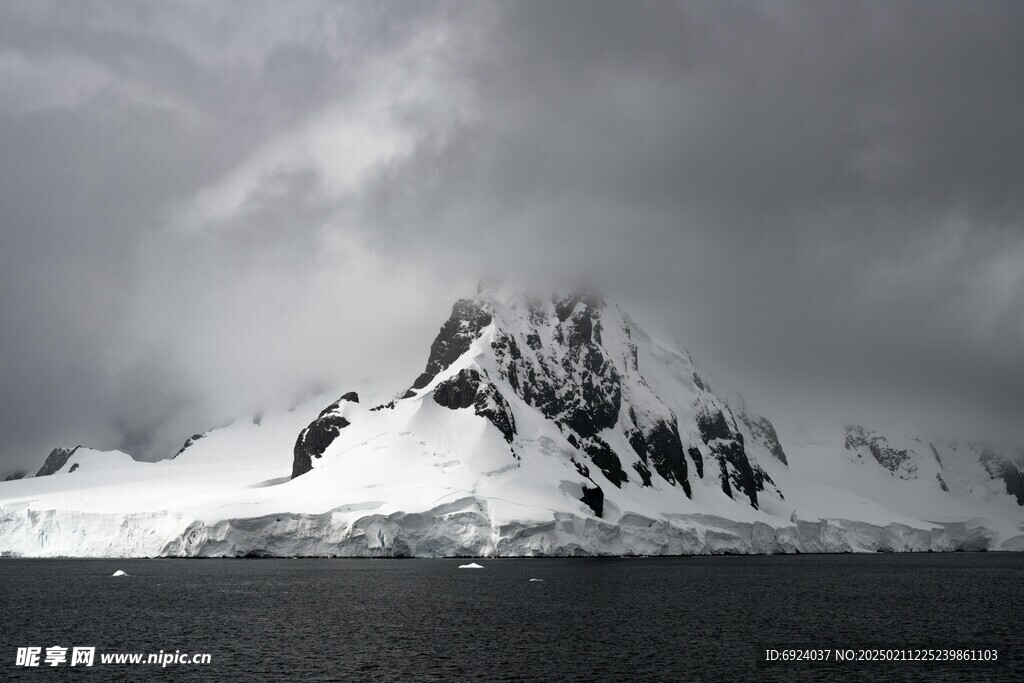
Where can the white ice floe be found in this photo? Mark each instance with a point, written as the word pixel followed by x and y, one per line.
pixel 532 580
pixel 471 565
pixel 119 573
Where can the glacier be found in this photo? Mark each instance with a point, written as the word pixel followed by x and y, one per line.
pixel 542 425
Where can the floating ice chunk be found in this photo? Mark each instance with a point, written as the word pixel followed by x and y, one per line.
pixel 536 580
pixel 119 573
pixel 471 565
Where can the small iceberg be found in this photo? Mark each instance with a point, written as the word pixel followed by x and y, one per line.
pixel 119 573
pixel 471 565
pixel 531 580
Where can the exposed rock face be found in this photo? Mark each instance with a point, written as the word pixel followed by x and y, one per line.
pixel 594 499
pixel 720 433
pixel 896 460
pixel 188 442
pixel 697 459
pixel 57 458
pixel 459 391
pixel 662 448
pixel 602 455
pixel 314 439
pixel 575 383
pixel 574 359
pixel 763 430
pixel 350 396
pixel 462 328
pixel 952 465
pixel 14 476
pixel 555 359
pixel 469 388
pixel 490 404
pixel 1002 467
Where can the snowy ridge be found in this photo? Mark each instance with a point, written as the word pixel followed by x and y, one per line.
pixel 541 425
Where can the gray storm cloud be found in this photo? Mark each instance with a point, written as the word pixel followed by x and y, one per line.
pixel 205 211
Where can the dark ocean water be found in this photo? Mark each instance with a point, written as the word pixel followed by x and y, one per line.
pixel 608 619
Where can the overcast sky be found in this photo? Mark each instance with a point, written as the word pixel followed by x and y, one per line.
pixel 210 207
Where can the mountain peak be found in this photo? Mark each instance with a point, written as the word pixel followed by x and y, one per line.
pixel 628 411
pixel 57 458
pixel 543 424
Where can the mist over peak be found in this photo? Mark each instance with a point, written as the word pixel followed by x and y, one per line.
pixel 822 203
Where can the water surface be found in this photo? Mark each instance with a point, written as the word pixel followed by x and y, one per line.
pixel 696 618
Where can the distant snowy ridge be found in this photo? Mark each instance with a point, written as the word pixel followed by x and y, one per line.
pixel 541 425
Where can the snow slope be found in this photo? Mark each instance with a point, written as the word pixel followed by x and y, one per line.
pixel 541 425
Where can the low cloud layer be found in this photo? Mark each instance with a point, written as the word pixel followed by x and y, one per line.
pixel 204 211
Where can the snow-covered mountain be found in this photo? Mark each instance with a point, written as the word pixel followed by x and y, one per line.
pixel 541 425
